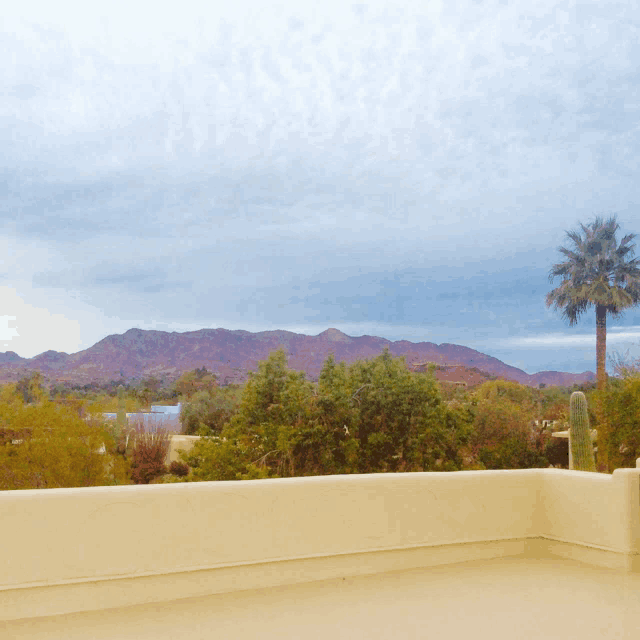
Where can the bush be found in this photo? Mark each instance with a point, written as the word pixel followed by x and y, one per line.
pixel 503 438
pixel 617 419
pixel 149 453
pixel 179 468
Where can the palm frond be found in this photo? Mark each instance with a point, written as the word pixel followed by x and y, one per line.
pixel 576 238
pixel 596 272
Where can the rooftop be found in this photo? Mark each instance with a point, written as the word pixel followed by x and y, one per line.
pixel 534 553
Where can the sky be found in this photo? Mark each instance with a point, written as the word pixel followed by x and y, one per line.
pixel 400 169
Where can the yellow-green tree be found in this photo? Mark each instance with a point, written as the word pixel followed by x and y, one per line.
pixel 513 391
pixel 50 446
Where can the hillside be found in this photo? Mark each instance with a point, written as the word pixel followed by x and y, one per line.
pixel 232 354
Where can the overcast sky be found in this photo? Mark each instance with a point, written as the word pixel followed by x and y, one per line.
pixel 399 169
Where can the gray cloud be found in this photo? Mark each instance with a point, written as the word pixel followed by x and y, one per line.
pixel 372 165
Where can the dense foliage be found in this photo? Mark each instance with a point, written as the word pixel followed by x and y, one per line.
pixel 615 413
pixel 369 417
pixel 192 382
pixel 46 445
pixel 209 410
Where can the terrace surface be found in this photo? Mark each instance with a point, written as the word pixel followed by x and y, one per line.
pixel 495 599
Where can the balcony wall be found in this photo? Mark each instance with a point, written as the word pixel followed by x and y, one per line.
pixel 99 548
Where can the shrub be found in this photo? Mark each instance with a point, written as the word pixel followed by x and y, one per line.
pixel 502 437
pixel 179 468
pixel 617 419
pixel 149 453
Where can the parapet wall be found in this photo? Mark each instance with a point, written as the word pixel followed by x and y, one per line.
pixel 69 550
pixel 179 443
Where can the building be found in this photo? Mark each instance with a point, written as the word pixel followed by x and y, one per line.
pixel 160 416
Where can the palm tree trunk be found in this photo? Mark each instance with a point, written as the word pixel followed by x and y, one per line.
pixel 601 347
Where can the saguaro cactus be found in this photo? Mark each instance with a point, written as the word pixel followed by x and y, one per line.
pixel 121 416
pixel 121 423
pixel 581 447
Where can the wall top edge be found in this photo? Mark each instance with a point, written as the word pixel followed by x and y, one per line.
pixel 373 478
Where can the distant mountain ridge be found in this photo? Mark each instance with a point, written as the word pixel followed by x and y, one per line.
pixel 11 356
pixel 231 354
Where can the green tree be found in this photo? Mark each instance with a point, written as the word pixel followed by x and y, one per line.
pixel 398 415
pixel 376 416
pixel 31 388
pixel 503 437
pixel 258 439
pixel 370 417
pixel 189 383
pixel 275 405
pixel 596 273
pixel 214 458
pixel 328 445
pixel 615 414
pixel 149 390
pixel 210 409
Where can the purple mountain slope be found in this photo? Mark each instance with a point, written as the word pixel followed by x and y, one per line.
pixel 232 354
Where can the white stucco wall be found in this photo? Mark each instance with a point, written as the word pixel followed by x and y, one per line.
pixel 90 549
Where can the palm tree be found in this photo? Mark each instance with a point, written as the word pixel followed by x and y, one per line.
pixel 597 273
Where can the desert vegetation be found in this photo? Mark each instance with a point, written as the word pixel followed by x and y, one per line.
pixel 372 416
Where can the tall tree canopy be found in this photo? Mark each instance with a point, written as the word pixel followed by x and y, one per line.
pixel 597 272
pixel 369 417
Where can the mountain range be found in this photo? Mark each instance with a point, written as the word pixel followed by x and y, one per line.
pixel 140 353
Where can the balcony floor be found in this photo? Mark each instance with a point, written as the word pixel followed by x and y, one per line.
pixel 496 599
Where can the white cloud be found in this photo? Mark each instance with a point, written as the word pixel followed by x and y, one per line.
pixel 618 335
pixel 634 329
pixel 7 329
pixel 36 329
pixel 39 320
